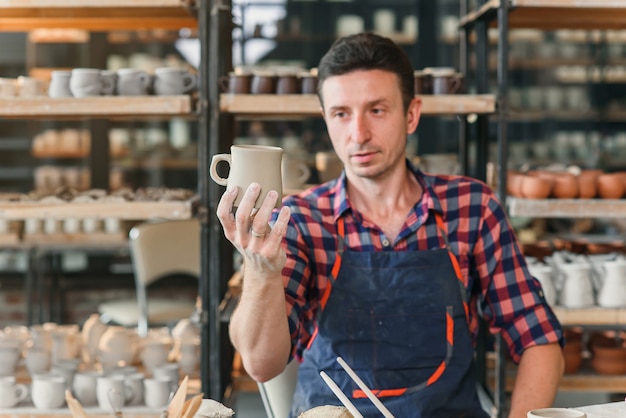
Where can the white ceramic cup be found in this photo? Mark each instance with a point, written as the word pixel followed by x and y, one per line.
pixel 132 82
pixel 86 82
pixel 555 413
pixel 169 371
pixel 11 393
pixel 172 81
pixel 112 392
pixel 84 387
pixel 295 173
pixel 156 391
pixel 60 84
pixel 134 381
pixel 29 86
pixel 48 391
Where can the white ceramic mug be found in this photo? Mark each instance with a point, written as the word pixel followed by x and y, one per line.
pixel 11 393
pixel 555 413
pixel 60 84
pixel 132 82
pixel 295 173
pixel 112 392
pixel 156 391
pixel 172 81
pixel 84 387
pixel 48 391
pixel 9 356
pixel 85 82
pixel 169 371
pixel 134 381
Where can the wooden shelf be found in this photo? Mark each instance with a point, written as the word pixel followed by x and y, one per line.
pixel 590 316
pixel 72 155
pixel 102 106
pixel 567 208
pixel 96 15
pixel 158 164
pixel 308 104
pixel 101 209
pixel 555 14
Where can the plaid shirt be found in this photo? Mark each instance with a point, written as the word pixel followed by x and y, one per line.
pixel 496 278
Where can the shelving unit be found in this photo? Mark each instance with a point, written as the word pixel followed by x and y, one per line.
pixel 133 15
pixel 544 15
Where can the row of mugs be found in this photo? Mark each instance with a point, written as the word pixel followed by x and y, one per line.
pixel 109 392
pixel 269 82
pixel 84 82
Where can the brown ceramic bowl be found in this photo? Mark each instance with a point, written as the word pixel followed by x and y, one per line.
pixel 535 187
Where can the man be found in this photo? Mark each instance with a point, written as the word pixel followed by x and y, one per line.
pixel 386 266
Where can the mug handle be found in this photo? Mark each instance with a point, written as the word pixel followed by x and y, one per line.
pixel 223 83
pixel 145 79
pixel 21 391
pixel 189 82
pixel 213 168
pixel 456 85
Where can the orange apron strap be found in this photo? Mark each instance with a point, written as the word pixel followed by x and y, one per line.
pixel 341 229
pixel 454 261
pixel 384 393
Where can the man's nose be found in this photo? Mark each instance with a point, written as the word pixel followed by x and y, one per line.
pixel 360 129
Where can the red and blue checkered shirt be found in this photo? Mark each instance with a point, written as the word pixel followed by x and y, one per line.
pixel 496 277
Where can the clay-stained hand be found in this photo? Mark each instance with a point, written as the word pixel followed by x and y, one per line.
pixel 249 231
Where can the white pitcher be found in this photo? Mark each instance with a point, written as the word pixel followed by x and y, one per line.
pixel 576 286
pixel 612 284
pixel 543 273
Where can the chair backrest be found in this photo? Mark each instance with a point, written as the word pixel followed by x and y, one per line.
pixel 277 393
pixel 159 249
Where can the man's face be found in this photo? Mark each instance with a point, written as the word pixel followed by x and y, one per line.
pixel 366 121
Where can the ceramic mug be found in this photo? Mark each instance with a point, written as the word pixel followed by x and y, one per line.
pixel 132 82
pixel 172 81
pixel 236 83
pixel 112 392
pixel 84 387
pixel 251 163
pixel 156 391
pixel 60 84
pixel 295 173
pixel 48 391
pixel 85 82
pixel 555 413
pixel 11 393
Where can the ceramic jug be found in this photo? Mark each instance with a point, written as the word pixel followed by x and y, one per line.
pixel 93 329
pixel 116 347
pixel 576 289
pixel 543 273
pixel 612 284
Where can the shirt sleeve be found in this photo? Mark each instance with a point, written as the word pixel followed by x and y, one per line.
pixel 300 289
pixel 511 299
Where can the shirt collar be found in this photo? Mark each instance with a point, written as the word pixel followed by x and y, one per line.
pixel 430 200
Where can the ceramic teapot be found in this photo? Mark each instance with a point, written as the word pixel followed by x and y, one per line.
pixel 575 283
pixel 612 284
pixel 92 331
pixel 116 347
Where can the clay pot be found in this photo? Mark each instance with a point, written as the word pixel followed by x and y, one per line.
pixel 514 183
pixel 587 183
pixel 565 186
pixel 610 186
pixel 573 350
pixel 535 187
pixel 539 249
pixel 609 358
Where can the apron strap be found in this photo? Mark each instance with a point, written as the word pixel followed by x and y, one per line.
pixel 455 263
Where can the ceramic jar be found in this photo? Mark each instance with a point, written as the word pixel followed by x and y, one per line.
pixel 608 356
pixel 92 331
pixel 116 347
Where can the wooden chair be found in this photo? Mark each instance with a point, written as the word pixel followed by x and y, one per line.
pixel 158 249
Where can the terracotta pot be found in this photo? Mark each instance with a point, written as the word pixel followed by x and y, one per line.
pixel 587 186
pixel 573 355
pixel 534 187
pixel 514 183
pixel 610 186
pixel 565 186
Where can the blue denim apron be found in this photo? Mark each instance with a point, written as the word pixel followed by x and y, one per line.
pixel 399 319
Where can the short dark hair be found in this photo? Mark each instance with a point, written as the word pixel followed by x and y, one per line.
pixel 367 51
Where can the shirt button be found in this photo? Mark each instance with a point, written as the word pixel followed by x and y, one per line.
pixel 385 243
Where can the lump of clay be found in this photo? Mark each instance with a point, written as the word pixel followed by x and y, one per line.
pixel 327 411
pixel 213 409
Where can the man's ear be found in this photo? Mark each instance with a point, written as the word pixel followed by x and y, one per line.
pixel 413 115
